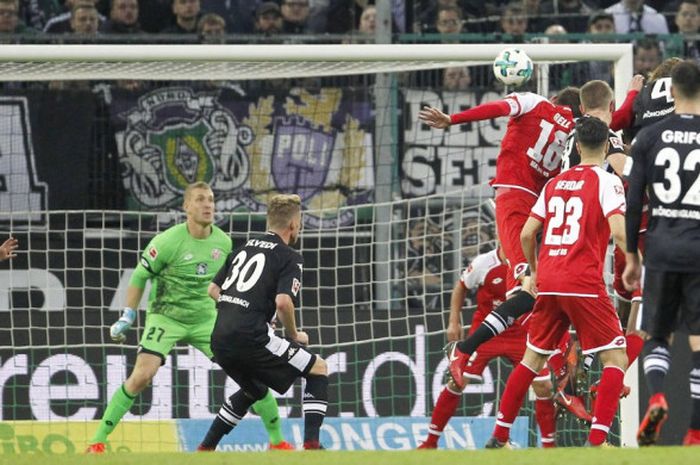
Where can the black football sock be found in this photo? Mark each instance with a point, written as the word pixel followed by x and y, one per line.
pixel 657 361
pixel 228 417
pixel 498 321
pixel 695 391
pixel 315 404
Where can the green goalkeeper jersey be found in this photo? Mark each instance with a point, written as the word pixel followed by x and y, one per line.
pixel 180 268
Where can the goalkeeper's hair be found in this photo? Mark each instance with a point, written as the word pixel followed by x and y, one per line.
pixel 195 185
pixel 596 95
pixel 281 209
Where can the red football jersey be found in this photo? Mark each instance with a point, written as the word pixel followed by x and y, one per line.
pixel 532 147
pixel 574 207
pixel 487 274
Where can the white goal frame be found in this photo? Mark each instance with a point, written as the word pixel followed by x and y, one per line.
pixel 241 62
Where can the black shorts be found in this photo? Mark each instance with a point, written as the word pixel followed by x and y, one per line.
pixel 671 300
pixel 255 367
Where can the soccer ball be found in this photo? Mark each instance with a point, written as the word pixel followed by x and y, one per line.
pixel 512 67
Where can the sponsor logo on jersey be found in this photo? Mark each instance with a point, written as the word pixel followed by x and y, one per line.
pixel 202 268
pixel 215 254
pixel 619 341
pixel 153 252
pixel 497 281
pixel 145 263
pixel 291 352
pixel 296 285
pixel 519 270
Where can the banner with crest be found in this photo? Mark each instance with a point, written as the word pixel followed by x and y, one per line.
pixel 317 144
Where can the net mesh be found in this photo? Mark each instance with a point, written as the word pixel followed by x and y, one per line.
pixel 393 212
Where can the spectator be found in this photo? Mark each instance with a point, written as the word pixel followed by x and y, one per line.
pixel 368 20
pixel 295 14
pixel 514 20
pixel 688 17
pixel 555 30
pixel 456 79
pixel 688 23
pixel 268 19
pixel 647 56
pixel 211 29
pixel 36 13
pixel 601 23
pixel 84 19
pixel 186 14
pixel 9 18
pixel 449 20
pixel 237 14
pixel 61 24
pixel 635 16
pixel 123 18
pixel 572 14
pixel 538 15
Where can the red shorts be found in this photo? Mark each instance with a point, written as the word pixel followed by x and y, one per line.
pixel 619 262
pixel 511 345
pixel 595 320
pixel 512 211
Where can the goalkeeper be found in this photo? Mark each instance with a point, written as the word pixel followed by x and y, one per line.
pixel 181 263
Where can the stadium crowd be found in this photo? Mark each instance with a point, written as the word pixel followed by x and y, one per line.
pixel 221 17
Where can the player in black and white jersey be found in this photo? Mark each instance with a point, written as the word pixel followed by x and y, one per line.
pixel 596 102
pixel 259 282
pixel 667 166
pixel 654 101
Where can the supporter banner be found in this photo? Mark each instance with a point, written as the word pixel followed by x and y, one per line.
pixel 462 156
pixel 389 433
pixel 315 144
pixel 45 158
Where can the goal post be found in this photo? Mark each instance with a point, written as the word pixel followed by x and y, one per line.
pixel 379 269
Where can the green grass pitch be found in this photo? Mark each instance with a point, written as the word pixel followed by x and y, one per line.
pixel 569 456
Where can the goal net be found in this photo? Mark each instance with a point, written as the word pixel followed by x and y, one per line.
pixel 96 147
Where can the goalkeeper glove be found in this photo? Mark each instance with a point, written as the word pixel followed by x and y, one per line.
pixel 117 330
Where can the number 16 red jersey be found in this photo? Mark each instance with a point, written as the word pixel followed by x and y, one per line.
pixel 574 207
pixel 532 147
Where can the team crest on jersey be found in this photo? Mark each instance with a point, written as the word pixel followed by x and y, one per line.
pixel 296 285
pixel 153 252
pixel 215 254
pixel 202 268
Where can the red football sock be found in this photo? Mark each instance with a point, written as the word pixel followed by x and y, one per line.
pixel 606 404
pixel 557 364
pixel 634 347
pixel 545 414
pixel 444 410
pixel 516 388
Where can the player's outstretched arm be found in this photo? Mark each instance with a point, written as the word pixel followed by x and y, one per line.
pixel 622 117
pixel 454 328
pixel 7 249
pixel 434 118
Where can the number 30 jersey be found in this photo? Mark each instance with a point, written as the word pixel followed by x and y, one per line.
pixel 575 207
pixel 252 277
pixel 532 147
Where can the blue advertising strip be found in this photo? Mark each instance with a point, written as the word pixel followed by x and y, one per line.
pixel 379 433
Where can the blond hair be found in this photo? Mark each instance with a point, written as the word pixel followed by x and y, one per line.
pixel 596 95
pixel 281 209
pixel 193 186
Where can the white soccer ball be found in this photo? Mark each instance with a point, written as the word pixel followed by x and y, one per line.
pixel 512 67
